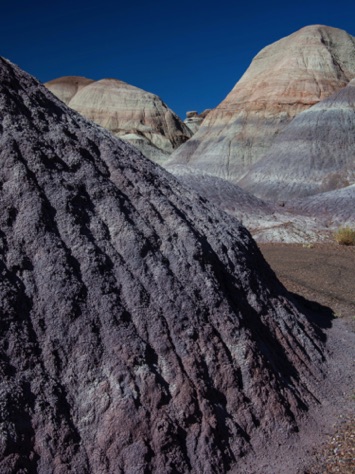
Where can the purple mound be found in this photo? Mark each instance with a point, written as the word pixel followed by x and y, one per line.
pixel 141 329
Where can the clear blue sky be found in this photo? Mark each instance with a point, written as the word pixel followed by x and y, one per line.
pixel 190 53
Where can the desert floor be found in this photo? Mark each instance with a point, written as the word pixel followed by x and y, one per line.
pixel 324 273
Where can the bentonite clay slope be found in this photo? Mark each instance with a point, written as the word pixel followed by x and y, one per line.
pixel 301 223
pixel 336 208
pixel 315 153
pixel 66 87
pixel 226 195
pixel 136 116
pixel 283 80
pixel 141 329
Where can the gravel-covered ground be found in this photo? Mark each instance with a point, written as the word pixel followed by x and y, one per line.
pixel 323 273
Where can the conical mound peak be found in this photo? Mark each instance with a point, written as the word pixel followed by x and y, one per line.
pixel 66 87
pixel 284 79
pixel 140 326
pixel 138 117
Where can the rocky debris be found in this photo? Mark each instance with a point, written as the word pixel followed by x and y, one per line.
pixel 283 80
pixel 338 454
pixel 136 116
pixel 194 119
pixel 313 154
pixel 141 329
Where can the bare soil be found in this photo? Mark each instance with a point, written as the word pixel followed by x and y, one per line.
pixel 324 273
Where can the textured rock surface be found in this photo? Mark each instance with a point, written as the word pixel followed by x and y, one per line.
pixel 130 113
pixel 315 153
pixel 194 119
pixel 283 80
pixel 141 329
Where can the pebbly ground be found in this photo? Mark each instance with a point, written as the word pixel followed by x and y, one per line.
pixel 324 274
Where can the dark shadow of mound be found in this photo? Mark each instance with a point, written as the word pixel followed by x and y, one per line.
pixel 318 315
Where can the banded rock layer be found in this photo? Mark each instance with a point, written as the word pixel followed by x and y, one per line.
pixel 268 222
pixel 141 330
pixel 314 154
pixel 194 119
pixel 230 197
pixel 283 80
pixel 136 116
pixel 335 207
pixel 66 87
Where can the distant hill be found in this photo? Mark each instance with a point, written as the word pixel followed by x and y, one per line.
pixel 284 79
pixel 136 116
pixel 315 153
